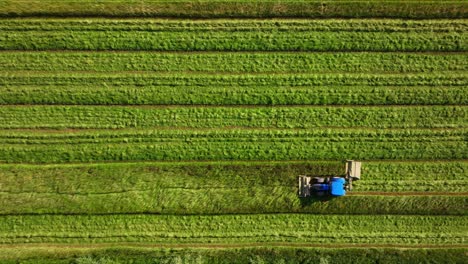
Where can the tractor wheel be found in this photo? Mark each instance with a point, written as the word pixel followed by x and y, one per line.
pixel 320 194
pixel 319 180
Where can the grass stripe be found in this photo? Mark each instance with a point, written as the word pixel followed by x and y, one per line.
pixel 85 117
pixel 234 35
pixel 227 253
pixel 223 41
pixel 242 8
pixel 209 144
pixel 226 187
pixel 236 25
pixel 260 80
pixel 231 200
pixel 232 62
pixel 440 230
pixel 100 93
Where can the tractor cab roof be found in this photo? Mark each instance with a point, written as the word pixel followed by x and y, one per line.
pixel 338 187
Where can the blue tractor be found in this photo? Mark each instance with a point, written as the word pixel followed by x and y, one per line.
pixel 330 186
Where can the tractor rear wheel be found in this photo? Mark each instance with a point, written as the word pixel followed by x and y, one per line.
pixel 318 180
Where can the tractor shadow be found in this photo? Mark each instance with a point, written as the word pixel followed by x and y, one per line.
pixel 308 201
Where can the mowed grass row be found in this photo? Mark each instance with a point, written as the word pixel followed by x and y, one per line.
pixel 225 62
pixel 236 25
pixel 234 35
pixel 241 9
pixel 227 188
pixel 115 177
pixel 189 88
pixel 99 92
pixel 336 84
pixel 84 79
pixel 117 254
pixel 323 229
pixel 228 200
pixel 230 144
pixel 84 117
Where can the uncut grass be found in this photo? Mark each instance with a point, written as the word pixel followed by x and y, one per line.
pixel 421 185
pixel 230 144
pixel 99 92
pixel 219 188
pixel 240 9
pixel 308 228
pixel 219 117
pixel 414 176
pixel 411 170
pixel 264 254
pixel 233 62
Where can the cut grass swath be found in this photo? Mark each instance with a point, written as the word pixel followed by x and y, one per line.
pixel 234 62
pixel 233 9
pixel 228 253
pixel 260 80
pixel 224 187
pixel 233 35
pixel 104 93
pixel 230 144
pixel 222 117
pixel 385 229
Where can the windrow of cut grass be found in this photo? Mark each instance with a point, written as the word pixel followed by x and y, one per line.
pixel 15 78
pixel 209 253
pixel 234 62
pixel 226 187
pixel 84 117
pixel 235 9
pixel 101 93
pixel 233 35
pixel 237 25
pixel 230 144
pixel 307 228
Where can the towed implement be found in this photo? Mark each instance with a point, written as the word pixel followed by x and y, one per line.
pixel 330 186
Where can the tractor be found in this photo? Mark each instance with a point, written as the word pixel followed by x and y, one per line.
pixel 330 186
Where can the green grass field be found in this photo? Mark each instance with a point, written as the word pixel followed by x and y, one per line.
pixel 174 131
